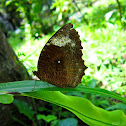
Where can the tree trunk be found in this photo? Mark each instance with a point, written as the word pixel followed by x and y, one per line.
pixel 11 69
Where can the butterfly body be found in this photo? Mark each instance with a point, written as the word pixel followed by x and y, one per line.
pixel 60 61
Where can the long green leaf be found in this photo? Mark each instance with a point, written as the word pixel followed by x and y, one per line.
pixel 83 108
pixel 29 86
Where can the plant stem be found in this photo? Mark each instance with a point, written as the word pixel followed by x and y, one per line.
pixel 35 108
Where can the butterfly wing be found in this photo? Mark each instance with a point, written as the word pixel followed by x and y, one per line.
pixel 60 61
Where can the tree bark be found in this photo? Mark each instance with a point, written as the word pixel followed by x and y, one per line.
pixel 11 69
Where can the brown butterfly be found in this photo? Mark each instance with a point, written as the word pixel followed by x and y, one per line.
pixel 60 61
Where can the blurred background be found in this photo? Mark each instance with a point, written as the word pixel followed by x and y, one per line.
pixel 101 24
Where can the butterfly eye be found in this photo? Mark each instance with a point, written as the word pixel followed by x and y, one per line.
pixel 58 61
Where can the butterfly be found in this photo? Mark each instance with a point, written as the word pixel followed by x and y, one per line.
pixel 60 61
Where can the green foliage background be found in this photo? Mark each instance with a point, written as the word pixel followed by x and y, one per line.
pixel 101 25
pixel 101 30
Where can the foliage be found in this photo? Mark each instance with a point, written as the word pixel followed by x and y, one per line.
pixel 106 64
pixel 28 86
pixel 101 25
pixel 68 122
pixel 25 109
pixel 81 107
pixel 36 14
pixel 85 110
pixel 117 106
pixel 48 118
pixel 6 98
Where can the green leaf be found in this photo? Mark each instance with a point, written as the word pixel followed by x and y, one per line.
pixel 25 86
pixel 109 14
pixel 6 98
pixel 117 106
pixel 31 85
pixel 8 2
pixel 24 108
pixel 68 122
pixel 82 108
pixel 47 118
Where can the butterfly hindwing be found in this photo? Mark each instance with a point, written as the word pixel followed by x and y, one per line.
pixel 60 61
